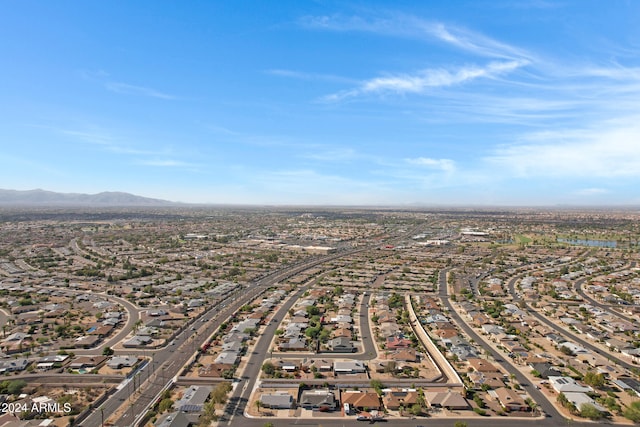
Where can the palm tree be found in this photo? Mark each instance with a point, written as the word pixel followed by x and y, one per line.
pixel 137 325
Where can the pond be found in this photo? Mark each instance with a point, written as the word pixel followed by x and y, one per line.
pixel 590 242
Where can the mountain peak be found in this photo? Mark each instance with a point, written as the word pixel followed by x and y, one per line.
pixel 40 197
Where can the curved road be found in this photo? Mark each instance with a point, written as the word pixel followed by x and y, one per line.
pixel 562 331
pixel 537 396
pixel 169 361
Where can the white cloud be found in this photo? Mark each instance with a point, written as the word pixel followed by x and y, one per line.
pixel 104 78
pixel 475 43
pixel 615 72
pixel 609 150
pixel 446 165
pixel 128 89
pixel 310 76
pixel 333 155
pixel 105 140
pixel 402 25
pixel 307 186
pixel 165 163
pixel 93 137
pixel 591 191
pixel 427 79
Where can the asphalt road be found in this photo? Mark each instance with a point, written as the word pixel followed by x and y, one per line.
pixel 234 411
pixel 234 414
pixel 536 395
pixel 168 362
pixel 571 336
pixel 607 307
pixel 165 365
pixel 136 395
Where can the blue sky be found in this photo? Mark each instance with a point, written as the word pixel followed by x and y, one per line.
pixel 479 102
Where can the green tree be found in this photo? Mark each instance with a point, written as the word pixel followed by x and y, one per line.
pixel 562 399
pixel 165 405
pixel 268 368
pixel 587 410
pixel 566 350
pixel 15 387
pixel 107 351
pixel 312 310
pixel 416 409
pixel 219 394
pixel 632 412
pixel 377 386
pixel 594 379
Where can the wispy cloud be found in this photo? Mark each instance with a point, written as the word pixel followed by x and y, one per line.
pixel 103 78
pixel 167 163
pixel 128 89
pixel 528 4
pixel 401 25
pixel 332 155
pixel 427 79
pixel 591 192
pixel 104 139
pixel 236 136
pixel 308 186
pixel 473 42
pixel 159 158
pixel 310 76
pixel 446 165
pixel 506 58
pixel 608 150
pixel 93 137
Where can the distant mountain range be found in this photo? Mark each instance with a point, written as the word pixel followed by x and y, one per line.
pixel 49 198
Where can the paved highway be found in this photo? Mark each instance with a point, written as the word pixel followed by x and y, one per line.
pixel 234 414
pixel 136 395
pixel 167 364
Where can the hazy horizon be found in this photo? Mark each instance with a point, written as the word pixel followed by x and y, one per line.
pixel 399 104
pixel 159 203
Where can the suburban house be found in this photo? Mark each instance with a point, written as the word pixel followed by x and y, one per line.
pixel 395 399
pixel 341 345
pixel 362 401
pixel 568 385
pixel 215 370
pixel 119 362
pixel 446 399
pixel 395 342
pixel 319 399
pixel 403 355
pixel 509 399
pixel 88 362
pixel 349 367
pixel 281 400
pixel 579 399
